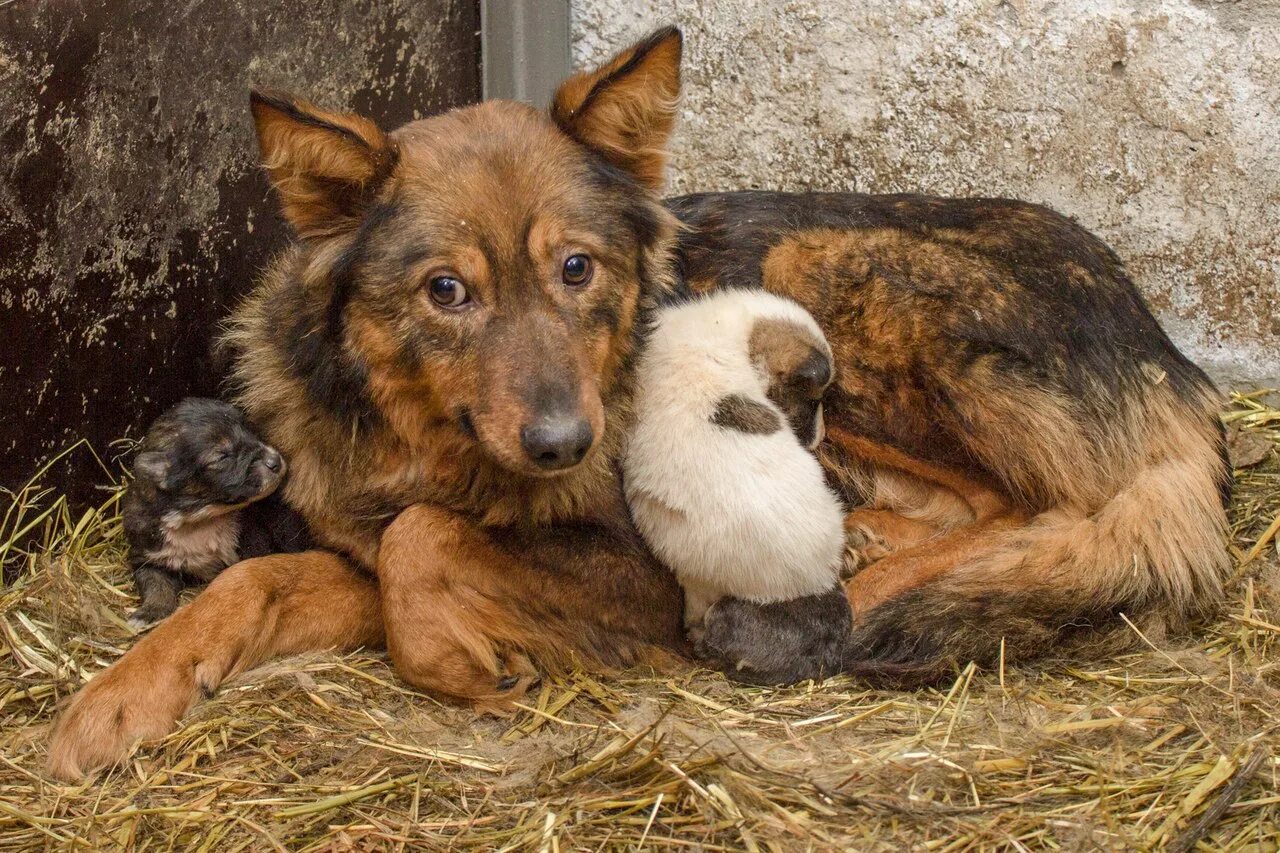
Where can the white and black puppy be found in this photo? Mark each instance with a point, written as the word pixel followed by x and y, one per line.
pixel 197 470
pixel 718 470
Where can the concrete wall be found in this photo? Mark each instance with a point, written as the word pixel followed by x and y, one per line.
pixel 132 208
pixel 1155 124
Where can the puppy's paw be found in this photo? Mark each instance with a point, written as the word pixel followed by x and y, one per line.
pixel 148 615
pixel 780 642
pixel 695 634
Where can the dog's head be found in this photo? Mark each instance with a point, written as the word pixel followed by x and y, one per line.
pixel 480 271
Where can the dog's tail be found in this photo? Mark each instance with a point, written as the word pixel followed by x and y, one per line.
pixel 1153 554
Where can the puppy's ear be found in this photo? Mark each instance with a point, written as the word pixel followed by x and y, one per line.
pixel 625 109
pixel 326 166
pixel 152 467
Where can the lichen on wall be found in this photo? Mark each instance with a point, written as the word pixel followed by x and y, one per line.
pixel 1155 124
pixel 132 209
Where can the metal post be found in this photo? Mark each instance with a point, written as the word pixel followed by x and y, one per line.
pixel 524 48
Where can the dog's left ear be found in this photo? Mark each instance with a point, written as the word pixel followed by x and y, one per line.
pixel 625 109
pixel 326 166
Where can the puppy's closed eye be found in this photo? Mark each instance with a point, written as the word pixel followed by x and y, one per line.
pixel 218 460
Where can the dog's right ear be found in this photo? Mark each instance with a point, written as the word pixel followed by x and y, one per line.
pixel 326 166
pixel 625 109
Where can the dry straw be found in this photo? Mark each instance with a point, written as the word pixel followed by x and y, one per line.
pixel 1172 746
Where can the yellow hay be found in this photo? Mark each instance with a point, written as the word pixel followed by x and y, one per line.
pixel 1174 746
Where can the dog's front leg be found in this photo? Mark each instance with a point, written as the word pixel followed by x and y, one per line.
pixel 455 608
pixel 255 610
pixel 467 607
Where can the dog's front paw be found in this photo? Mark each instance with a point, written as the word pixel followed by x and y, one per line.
pixel 780 642
pixel 139 698
pixel 518 674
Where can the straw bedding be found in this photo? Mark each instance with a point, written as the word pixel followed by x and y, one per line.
pixel 1172 746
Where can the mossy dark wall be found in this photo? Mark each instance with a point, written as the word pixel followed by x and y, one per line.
pixel 132 210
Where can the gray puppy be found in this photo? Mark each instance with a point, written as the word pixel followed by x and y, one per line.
pixel 201 500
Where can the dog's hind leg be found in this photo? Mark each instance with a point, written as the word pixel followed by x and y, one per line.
pixel 255 610
pixel 909 502
pixel 872 534
pixel 913 567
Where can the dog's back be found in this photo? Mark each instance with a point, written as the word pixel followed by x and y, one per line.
pixel 1020 435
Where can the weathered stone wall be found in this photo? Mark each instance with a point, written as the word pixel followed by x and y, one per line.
pixel 132 209
pixel 1155 123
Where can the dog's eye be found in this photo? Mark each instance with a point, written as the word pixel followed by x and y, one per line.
pixel 447 292
pixel 577 270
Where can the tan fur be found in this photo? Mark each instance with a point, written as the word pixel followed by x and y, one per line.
pixel 424 457
pixel 1158 538
pixel 451 629
pixel 1117 551
pixel 1001 508
pixel 199 546
pixel 917 499
pixel 1046 505
pixel 432 431
pixel 306 160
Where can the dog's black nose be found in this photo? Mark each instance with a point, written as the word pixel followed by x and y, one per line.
pixel 557 442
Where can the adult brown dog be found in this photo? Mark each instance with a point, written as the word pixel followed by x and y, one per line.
pixel 443 355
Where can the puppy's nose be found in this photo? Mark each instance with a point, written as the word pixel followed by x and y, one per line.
pixel 272 459
pixel 557 441
pixel 814 373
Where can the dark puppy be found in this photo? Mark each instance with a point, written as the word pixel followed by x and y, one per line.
pixel 197 504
